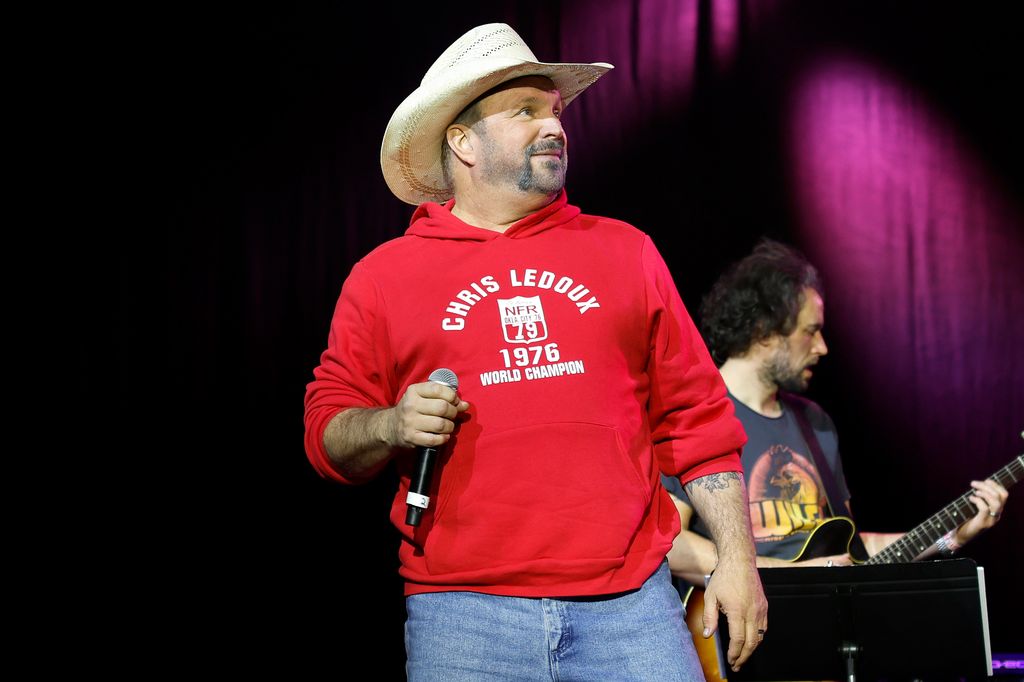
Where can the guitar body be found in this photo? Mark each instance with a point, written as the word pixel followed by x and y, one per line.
pixel 836 535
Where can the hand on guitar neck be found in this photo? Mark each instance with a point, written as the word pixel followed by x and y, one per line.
pixel 989 498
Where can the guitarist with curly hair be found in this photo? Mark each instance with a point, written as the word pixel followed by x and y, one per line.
pixel 762 322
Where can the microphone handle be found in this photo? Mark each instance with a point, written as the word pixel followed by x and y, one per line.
pixel 420 484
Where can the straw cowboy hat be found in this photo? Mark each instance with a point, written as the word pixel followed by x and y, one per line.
pixel 483 58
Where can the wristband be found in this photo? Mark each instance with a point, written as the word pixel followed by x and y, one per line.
pixel 947 544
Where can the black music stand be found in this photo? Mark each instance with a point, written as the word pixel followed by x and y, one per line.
pixel 861 623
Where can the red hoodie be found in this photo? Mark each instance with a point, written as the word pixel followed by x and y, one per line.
pixel 585 377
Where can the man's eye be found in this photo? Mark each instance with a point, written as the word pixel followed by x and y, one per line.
pixel 526 110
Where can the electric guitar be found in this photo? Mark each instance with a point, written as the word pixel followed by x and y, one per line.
pixel 838 535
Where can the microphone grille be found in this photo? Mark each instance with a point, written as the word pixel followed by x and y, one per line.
pixel 443 375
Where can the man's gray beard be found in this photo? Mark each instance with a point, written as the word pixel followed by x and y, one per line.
pixel 523 176
pixel 528 182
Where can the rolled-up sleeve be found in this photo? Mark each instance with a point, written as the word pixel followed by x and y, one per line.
pixel 355 369
pixel 693 424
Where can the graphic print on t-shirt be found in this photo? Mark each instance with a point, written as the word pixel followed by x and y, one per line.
pixel 786 494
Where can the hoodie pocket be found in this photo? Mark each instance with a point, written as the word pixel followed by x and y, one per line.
pixel 560 492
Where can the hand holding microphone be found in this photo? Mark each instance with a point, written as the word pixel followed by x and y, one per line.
pixel 419 485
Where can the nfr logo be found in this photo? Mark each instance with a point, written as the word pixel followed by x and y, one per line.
pixel 522 319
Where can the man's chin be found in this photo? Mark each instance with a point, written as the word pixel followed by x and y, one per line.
pixel 546 186
pixel 795 384
pixel 551 168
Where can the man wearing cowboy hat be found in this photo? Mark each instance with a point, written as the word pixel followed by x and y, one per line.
pixel 541 550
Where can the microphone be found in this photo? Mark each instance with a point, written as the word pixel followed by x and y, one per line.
pixel 419 485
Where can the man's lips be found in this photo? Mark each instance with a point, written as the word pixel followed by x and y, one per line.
pixel 550 151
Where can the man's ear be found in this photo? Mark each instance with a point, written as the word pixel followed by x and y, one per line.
pixel 460 140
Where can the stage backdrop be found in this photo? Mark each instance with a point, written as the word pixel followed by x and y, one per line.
pixel 881 138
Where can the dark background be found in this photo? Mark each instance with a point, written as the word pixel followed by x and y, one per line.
pixel 257 135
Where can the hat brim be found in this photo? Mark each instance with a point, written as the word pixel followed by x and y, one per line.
pixel 410 155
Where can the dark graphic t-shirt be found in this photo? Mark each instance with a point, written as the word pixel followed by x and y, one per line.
pixel 784 488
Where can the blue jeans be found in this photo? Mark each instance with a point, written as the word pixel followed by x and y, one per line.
pixel 639 635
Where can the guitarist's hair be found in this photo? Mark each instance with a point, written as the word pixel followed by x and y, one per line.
pixel 755 298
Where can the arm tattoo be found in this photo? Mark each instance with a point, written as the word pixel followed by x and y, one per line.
pixel 713 482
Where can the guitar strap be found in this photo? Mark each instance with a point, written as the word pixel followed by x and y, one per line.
pixel 828 479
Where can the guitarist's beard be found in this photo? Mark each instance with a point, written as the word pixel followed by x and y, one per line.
pixel 779 370
pixel 793 383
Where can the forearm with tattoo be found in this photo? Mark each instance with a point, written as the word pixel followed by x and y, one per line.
pixel 720 499
pixel 713 482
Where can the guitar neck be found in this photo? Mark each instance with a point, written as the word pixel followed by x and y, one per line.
pixel 910 545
